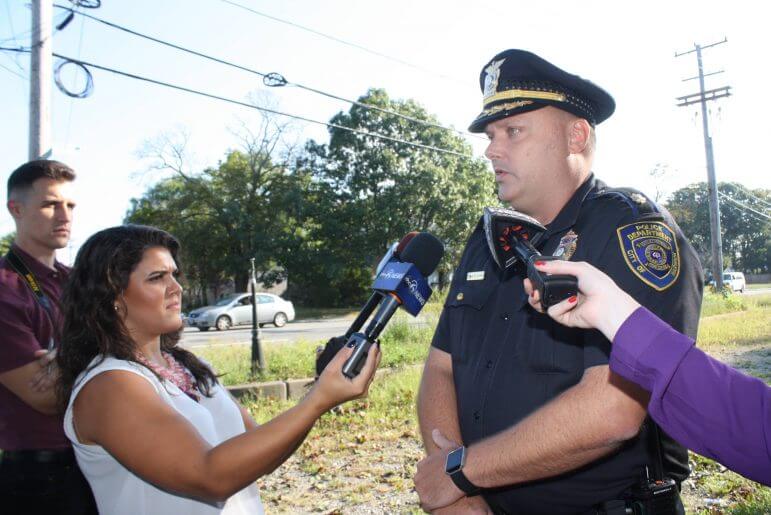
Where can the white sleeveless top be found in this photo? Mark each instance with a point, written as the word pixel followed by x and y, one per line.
pixel 118 491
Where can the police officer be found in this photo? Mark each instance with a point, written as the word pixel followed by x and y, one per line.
pixel 520 414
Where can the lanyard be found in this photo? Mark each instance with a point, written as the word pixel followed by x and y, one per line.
pixel 21 269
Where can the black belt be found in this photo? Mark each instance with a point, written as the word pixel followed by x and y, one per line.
pixel 60 456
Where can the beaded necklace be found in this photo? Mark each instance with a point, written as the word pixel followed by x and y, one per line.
pixel 175 373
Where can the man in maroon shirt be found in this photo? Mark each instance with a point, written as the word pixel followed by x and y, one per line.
pixel 38 472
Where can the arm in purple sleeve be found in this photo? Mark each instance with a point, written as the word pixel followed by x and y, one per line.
pixel 699 401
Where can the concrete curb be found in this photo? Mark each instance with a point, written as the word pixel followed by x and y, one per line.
pixel 289 389
pixel 281 390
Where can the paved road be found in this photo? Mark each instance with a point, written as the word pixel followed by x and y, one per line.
pixel 310 330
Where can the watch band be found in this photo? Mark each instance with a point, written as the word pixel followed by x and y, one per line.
pixel 462 482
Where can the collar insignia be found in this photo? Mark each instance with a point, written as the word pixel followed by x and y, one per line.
pixel 567 246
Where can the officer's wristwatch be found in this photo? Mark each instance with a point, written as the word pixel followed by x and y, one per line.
pixel 453 467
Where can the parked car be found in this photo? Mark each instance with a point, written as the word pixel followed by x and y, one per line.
pixel 236 309
pixel 733 280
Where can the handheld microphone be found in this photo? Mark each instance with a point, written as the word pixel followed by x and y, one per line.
pixel 393 254
pixel 399 284
pixel 512 238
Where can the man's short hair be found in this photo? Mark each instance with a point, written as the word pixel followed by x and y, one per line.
pixel 22 178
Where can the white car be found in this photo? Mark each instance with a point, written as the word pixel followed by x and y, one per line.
pixel 236 309
pixel 733 280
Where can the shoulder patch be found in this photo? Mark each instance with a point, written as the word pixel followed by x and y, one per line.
pixel 650 251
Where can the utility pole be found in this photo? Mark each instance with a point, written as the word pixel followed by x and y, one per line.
pixel 40 80
pixel 258 361
pixel 714 206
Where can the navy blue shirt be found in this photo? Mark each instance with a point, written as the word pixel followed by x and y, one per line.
pixel 508 360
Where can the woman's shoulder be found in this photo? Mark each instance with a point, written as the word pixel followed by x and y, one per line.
pixel 102 364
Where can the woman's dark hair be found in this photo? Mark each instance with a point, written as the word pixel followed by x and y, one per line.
pixel 92 326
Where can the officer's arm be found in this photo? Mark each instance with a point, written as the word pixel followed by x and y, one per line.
pixel 554 439
pixel 19 381
pixel 437 406
pixel 437 409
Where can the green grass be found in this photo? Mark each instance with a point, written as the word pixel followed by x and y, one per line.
pixel 758 286
pixel 732 329
pixel 736 494
pixel 402 344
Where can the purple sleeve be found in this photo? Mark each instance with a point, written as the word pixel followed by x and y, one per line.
pixel 699 401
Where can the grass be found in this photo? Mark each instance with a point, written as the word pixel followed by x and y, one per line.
pixel 759 286
pixel 362 456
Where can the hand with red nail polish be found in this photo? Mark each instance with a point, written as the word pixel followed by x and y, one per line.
pixel 600 304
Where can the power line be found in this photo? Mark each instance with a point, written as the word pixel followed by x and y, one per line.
pixel 72 100
pixel 10 18
pixel 251 106
pixel 270 79
pixel 743 206
pixel 348 43
pixel 13 71
pixel 752 195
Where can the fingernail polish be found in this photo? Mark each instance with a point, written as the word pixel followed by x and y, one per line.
pixel 540 263
pixel 573 299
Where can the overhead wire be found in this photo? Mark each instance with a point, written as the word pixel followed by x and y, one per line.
pixel 752 195
pixel 348 43
pixel 9 70
pixel 251 106
pixel 743 206
pixel 269 79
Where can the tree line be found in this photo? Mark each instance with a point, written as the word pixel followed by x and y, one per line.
pixel 320 216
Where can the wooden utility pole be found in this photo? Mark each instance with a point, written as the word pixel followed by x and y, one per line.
pixel 40 80
pixel 714 206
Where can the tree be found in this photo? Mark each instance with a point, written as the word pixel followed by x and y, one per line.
pixel 224 215
pixel 364 193
pixel 746 235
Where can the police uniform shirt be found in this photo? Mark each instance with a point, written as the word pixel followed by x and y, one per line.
pixel 509 360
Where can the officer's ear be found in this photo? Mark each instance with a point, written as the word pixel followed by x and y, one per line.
pixel 579 136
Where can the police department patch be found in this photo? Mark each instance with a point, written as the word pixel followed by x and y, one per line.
pixel 650 250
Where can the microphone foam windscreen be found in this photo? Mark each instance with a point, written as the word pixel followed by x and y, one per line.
pixel 404 241
pixel 424 251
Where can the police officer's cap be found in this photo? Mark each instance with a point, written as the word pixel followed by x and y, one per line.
pixel 517 81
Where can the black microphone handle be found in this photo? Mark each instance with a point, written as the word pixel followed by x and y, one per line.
pixel 364 314
pixel 362 342
pixel 381 318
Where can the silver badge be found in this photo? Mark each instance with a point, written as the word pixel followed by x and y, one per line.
pixel 492 74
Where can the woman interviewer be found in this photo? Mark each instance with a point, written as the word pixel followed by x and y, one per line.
pixel 152 428
pixel 702 403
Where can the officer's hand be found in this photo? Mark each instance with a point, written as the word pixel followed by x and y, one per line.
pixel 600 304
pixel 435 488
pixel 47 373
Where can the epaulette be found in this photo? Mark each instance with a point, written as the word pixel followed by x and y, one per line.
pixel 637 202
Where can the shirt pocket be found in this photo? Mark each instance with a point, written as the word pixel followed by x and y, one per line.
pixel 470 319
pixel 552 349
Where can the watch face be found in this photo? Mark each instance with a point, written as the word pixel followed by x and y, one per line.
pixel 454 461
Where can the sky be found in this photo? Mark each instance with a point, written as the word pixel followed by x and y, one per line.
pixel 433 50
